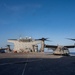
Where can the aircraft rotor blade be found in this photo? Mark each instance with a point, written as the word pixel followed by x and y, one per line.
pixel 49 40
pixel 71 39
pixel 43 39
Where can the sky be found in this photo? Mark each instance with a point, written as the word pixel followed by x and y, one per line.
pixel 53 19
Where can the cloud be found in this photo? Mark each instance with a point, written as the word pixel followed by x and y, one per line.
pixel 22 7
pixel 33 5
pixel 4 22
pixel 13 8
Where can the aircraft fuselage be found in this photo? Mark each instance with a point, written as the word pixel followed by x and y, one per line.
pixel 61 50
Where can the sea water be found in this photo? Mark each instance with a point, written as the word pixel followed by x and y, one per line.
pixel 72 53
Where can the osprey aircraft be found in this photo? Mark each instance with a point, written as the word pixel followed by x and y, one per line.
pixel 57 49
pixel 62 50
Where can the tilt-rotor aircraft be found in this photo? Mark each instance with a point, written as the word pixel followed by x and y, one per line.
pixel 31 45
pixel 57 49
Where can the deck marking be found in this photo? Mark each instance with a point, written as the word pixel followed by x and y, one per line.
pixel 20 62
pixel 24 69
pixel 25 66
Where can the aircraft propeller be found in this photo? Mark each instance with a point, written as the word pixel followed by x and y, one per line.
pixel 43 39
pixel 71 39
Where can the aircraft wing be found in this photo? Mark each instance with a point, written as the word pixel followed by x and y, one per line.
pixel 71 46
pixel 54 46
pixel 50 46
